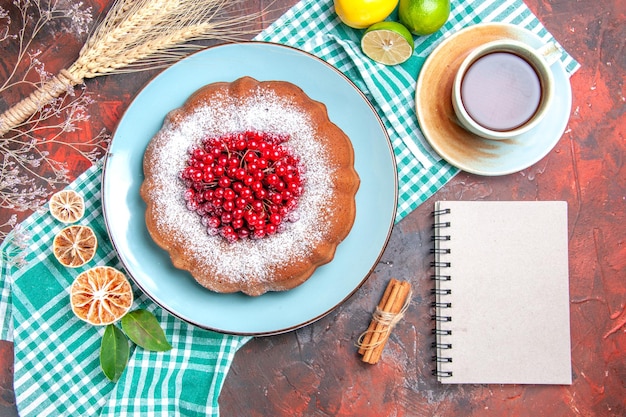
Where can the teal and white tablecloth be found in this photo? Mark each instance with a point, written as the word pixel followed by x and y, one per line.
pixel 57 369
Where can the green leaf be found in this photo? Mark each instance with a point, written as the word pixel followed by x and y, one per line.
pixel 114 352
pixel 143 328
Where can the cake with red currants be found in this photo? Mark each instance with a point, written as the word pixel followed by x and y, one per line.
pixel 249 186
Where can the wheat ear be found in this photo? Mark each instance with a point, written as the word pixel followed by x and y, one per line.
pixel 135 35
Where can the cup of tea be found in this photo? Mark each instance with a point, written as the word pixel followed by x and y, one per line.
pixel 504 88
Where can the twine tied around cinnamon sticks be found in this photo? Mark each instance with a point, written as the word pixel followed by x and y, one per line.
pixel 390 310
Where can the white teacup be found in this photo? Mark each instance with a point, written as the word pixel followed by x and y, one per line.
pixel 504 88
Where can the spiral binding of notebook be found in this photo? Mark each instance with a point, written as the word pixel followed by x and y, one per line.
pixel 441 291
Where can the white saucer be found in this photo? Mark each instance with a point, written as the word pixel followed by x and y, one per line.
pixel 463 149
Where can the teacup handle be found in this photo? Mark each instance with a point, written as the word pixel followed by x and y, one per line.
pixel 550 52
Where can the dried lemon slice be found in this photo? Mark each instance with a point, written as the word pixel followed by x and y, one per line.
pixel 101 295
pixel 67 206
pixel 74 246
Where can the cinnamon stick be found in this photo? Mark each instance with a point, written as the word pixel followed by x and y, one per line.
pixel 367 339
pixel 396 309
pixel 389 311
pixel 380 329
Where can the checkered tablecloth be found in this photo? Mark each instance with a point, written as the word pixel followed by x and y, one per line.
pixel 314 27
pixel 57 369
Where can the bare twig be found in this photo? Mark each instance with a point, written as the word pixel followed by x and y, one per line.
pixel 133 34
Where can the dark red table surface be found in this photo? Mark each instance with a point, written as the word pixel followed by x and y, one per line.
pixel 315 371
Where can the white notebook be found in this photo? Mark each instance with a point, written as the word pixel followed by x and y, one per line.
pixel 502 292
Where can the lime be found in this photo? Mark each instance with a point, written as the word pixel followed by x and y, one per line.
pixel 389 43
pixel 424 17
pixel 360 14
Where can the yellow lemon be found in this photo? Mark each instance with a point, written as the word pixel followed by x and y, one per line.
pixel 360 14
pixel 423 17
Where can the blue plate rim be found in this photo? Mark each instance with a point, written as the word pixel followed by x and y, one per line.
pixel 282 329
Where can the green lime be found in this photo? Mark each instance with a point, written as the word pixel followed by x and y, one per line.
pixel 423 17
pixel 388 43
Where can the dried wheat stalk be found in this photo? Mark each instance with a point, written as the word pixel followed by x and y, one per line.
pixel 134 35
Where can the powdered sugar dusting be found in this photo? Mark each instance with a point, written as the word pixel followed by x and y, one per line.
pixel 246 259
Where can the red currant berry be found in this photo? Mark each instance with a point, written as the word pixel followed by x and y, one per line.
pixel 241 202
pixel 248 180
pixel 287 195
pixel 208 176
pixel 198 153
pixel 275 219
pixel 256 186
pixel 228 205
pixel 227 231
pixel 251 217
pixel 257 205
pixel 224 182
pixel 274 208
pixel 272 179
pixel 246 193
pixel 217 202
pixel 218 171
pixel 258 175
pixel 250 157
pixel 222 160
pixel 253 166
pixel 240 173
pixel 294 188
pixel 233 161
pixel 282 170
pixel 275 198
pixel 208 195
pixel 280 185
pixel 240 144
pixel 189 194
pixel 238 213
pixel 237 187
pixel 213 231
